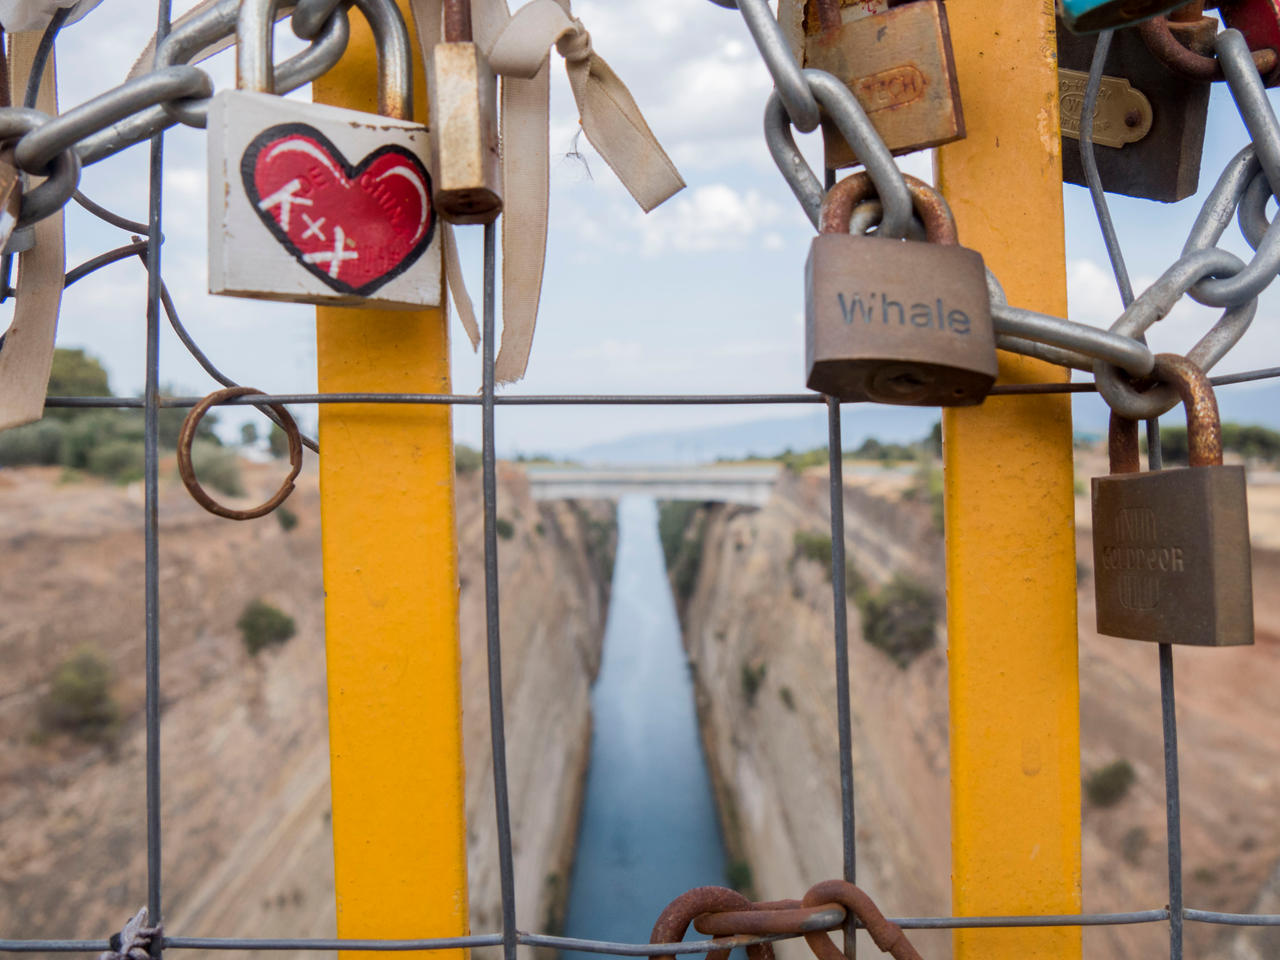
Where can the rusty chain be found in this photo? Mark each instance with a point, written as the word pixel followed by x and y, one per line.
pixel 734 920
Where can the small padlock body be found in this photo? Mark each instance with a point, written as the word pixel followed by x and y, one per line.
pixel 1171 556
pixel 1164 164
pixel 318 204
pixel 897 322
pixel 464 134
pixel 900 66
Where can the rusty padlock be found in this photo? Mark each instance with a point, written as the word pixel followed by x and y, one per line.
pixel 464 124
pixel 1171 547
pixel 897 60
pixel 1149 120
pixel 318 204
pixel 896 321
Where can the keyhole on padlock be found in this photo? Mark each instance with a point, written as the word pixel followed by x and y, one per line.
pixel 900 383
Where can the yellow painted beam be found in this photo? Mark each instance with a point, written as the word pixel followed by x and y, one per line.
pixel 1011 574
pixel 391 602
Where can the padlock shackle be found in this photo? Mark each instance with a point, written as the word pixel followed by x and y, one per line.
pixel 839 203
pixel 254 52
pixel 1122 445
pixel 457 21
pixel 1204 426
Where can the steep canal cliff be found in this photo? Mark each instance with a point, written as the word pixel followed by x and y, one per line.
pixel 756 606
pixel 247 847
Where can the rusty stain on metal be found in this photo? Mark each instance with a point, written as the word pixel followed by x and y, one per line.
pixel 674 920
pixel 186 469
pixel 788 917
pixel 1204 428
pixel 1171 44
pixel 1122 445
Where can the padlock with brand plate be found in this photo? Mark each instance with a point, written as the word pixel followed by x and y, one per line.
pixel 318 204
pixel 464 124
pixel 1090 16
pixel 1149 120
pixel 896 59
pixel 896 321
pixel 1171 547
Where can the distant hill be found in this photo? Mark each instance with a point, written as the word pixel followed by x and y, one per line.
pixel 1243 403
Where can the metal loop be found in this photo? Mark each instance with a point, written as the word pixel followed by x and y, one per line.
pixel 63 176
pixel 210 28
pixel 785 917
pixel 867 215
pixel 1071 344
pixel 798 97
pixel 791 163
pixel 37 149
pixel 1222 201
pixel 187 470
pixel 673 922
pixel 1153 305
pixel 931 207
pixel 1251 214
pixel 1251 100
pixel 1158 35
pixel 310 16
pixel 860 133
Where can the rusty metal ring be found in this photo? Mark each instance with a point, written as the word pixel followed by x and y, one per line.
pixel 784 917
pixel 673 922
pixel 1160 40
pixel 187 470
pixel 929 204
pixel 886 934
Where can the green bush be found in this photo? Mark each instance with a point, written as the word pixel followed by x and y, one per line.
pixel 262 625
pixel 286 518
pixel 506 529
pixel 752 680
pixel 94 428
pixel 466 459
pixel 682 527
pixel 36 444
pixel 738 876
pixel 808 545
pixel 1107 786
pixel 900 618
pixel 75 374
pixel 79 700
pixel 788 698
pixel 674 517
pixel 217 467
pixel 120 460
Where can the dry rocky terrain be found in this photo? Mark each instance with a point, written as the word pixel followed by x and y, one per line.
pixel 247 847
pixel 758 624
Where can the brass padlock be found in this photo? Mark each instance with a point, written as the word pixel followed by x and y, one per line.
pixel 1171 547
pixel 1149 120
pixel 899 65
pixel 464 124
pixel 896 321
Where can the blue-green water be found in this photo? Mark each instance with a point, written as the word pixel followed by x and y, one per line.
pixel 649 827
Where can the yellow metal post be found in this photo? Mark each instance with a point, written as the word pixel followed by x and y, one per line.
pixel 1011 575
pixel 391 602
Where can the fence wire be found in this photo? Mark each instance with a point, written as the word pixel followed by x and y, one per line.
pixel 1175 913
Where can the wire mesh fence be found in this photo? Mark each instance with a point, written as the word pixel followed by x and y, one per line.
pixel 1175 914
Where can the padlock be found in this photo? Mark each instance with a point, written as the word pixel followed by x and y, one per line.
pixel 899 65
pixel 319 204
pixel 1149 120
pixel 1259 21
pixel 896 321
pixel 1171 547
pixel 464 124
pixel 1090 16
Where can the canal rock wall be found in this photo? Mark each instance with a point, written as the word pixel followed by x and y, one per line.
pixel 757 621
pixel 247 848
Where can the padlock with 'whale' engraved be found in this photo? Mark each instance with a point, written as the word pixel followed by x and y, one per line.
pixel 318 204
pixel 1171 547
pixel 896 321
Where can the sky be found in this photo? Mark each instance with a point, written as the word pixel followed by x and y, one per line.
pixel 704 294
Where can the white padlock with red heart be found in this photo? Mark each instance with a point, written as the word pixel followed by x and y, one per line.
pixel 318 204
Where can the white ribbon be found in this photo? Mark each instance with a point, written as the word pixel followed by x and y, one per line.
pixel 518 50
pixel 19 15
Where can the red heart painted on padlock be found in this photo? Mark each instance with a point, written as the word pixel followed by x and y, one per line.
pixel 354 227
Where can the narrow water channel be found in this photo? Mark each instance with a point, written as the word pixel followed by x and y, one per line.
pixel 649 825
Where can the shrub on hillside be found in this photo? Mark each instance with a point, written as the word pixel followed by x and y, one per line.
pixel 217 467
pixel 900 618
pixel 262 625
pixel 36 444
pixel 79 700
pixel 1107 786
pixel 466 459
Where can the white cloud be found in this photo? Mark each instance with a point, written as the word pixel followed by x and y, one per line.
pixel 703 219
